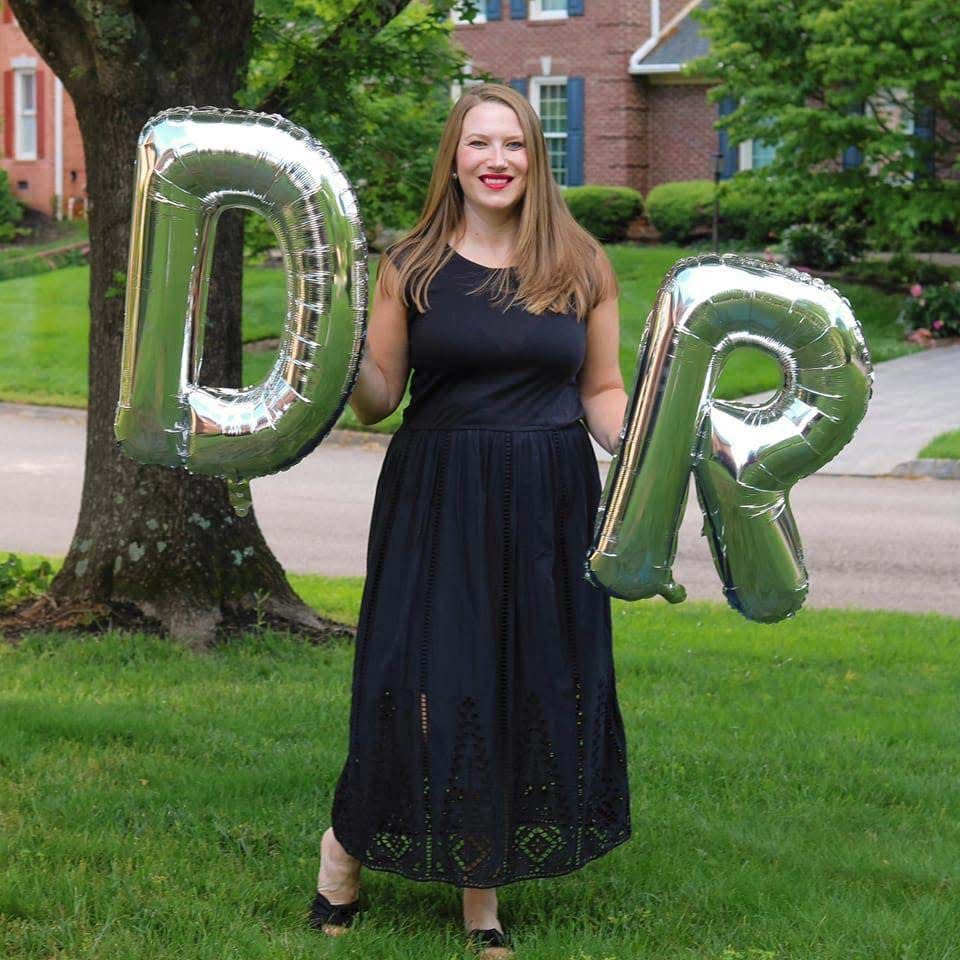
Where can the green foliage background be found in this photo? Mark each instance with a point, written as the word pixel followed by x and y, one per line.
pixel 819 76
pixel 378 104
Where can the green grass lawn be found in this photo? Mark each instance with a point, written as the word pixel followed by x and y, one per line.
pixel 944 447
pixel 794 797
pixel 44 325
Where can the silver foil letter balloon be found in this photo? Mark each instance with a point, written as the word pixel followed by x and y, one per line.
pixel 192 164
pixel 744 458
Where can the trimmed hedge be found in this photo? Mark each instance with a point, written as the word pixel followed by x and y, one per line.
pixel 605 212
pixel 756 209
pixel 677 209
pixel 752 208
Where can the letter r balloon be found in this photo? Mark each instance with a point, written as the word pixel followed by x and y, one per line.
pixel 192 164
pixel 744 458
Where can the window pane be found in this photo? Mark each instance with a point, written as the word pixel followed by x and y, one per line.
pixel 27 88
pixel 553 108
pixel 763 154
pixel 553 117
pixel 553 5
pixel 28 136
pixel 557 151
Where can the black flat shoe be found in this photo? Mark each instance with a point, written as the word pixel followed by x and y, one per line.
pixel 481 939
pixel 323 914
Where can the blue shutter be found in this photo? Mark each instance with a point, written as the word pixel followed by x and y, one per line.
pixel 731 155
pixel 575 131
pixel 493 9
pixel 853 156
pixel 924 127
pixel 574 8
pixel 518 9
pixel 520 85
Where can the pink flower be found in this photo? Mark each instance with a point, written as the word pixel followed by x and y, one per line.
pixel 916 290
pixel 938 324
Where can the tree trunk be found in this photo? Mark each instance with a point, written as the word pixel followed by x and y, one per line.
pixel 155 537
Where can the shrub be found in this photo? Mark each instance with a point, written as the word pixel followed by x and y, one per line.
pixel 906 269
pixel 605 212
pixel 934 310
pixel 757 209
pixel 258 237
pixel 901 270
pixel 11 212
pixel 914 216
pixel 678 209
pixel 812 245
pixel 19 580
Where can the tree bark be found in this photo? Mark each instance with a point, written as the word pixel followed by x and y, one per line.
pixel 159 538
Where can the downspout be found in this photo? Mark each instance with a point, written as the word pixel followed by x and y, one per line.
pixel 58 145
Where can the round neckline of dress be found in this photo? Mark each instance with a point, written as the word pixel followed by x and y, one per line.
pixel 474 263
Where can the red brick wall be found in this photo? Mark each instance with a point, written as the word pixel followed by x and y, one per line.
pixel 596 46
pixel 681 138
pixel 39 176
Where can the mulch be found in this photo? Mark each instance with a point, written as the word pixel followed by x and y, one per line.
pixel 89 618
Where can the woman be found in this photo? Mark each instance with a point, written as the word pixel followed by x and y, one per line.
pixel 486 740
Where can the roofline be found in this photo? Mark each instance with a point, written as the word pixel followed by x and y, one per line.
pixel 651 43
pixel 658 68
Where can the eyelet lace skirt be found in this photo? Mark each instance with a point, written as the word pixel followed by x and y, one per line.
pixel 486 742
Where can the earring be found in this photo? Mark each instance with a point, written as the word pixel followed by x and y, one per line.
pixel 453 175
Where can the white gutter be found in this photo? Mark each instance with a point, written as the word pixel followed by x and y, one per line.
pixel 658 68
pixel 58 145
pixel 653 39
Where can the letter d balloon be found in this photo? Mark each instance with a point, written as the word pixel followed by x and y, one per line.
pixel 192 164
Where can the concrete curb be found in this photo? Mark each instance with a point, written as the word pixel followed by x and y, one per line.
pixel 928 469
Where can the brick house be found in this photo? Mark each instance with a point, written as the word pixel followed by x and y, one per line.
pixel 42 149
pixel 604 76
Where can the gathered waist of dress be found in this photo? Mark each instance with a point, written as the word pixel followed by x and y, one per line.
pixel 499 427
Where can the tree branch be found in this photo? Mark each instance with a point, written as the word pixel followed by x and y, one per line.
pixel 366 19
pixel 57 31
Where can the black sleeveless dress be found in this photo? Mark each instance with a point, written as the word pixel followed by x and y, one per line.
pixel 486 742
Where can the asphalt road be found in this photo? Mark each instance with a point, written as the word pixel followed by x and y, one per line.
pixel 870 542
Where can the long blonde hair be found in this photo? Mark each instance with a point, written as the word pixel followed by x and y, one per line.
pixel 556 264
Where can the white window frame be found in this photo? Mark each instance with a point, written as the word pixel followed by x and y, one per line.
pixel 536 12
pixel 481 16
pixel 536 84
pixel 18 151
pixel 745 155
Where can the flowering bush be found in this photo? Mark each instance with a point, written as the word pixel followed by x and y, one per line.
pixel 931 312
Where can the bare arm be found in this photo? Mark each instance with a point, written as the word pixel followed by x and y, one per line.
pixel 384 365
pixel 602 392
